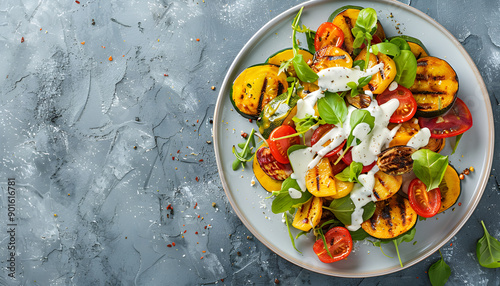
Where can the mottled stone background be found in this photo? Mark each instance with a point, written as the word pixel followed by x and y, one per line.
pixel 105 123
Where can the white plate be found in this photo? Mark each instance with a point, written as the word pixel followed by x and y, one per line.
pixel 475 149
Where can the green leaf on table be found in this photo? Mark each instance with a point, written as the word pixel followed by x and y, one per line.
pixel 332 108
pixel 439 272
pixel 488 250
pixel 429 167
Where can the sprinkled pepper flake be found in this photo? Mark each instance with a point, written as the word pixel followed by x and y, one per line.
pixel 196 204
pixel 83 43
pixel 204 251
pixel 22 39
pixel 173 158
pixel 77 2
pixel 198 216
pixel 195 232
pixel 213 87
pixel 201 160
pixel 459 204
pixel 173 243
pixel 201 257
pixel 197 39
pixel 185 231
pixel 110 58
pixel 169 207
pixel 197 179
pixel 178 151
pixel 205 227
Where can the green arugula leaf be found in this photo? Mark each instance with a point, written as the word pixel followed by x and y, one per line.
pixel 359 63
pixel 322 235
pixel 332 108
pixel 304 72
pixel 246 154
pixel 457 140
pixel 406 68
pixel 344 207
pixel 304 124
pixel 287 221
pixel 429 167
pixel 488 250
pixel 310 36
pixel 283 202
pixel 439 272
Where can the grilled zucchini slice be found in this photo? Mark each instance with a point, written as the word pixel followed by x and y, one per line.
pixel 255 87
pixel 320 181
pixel 331 56
pixel 381 80
pixel 309 214
pixel 450 188
pixel 386 185
pixel 435 88
pixel 392 218
pixel 416 46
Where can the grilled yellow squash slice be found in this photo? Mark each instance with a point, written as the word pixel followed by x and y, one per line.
pixel 309 214
pixel 320 181
pixel 381 80
pixel 386 185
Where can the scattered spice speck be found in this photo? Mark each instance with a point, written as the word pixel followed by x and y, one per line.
pixel 77 2
pixel 213 87
pixel 83 43
pixel 197 39
pixel 197 179
pixel 214 205
pixel 55 215
pixel 196 204
pixel 173 243
pixel 22 39
pixel 169 245
pixel 110 58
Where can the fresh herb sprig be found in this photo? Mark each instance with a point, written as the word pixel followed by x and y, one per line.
pixel 304 72
pixel 344 207
pixel 363 31
pixel 350 173
pixel 246 154
pixel 332 108
pixel 357 88
pixel 407 236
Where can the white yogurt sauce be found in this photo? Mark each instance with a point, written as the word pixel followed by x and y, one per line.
pixel 305 105
pixel 299 159
pixel 295 194
pixel 420 139
pixel 335 79
pixel 360 196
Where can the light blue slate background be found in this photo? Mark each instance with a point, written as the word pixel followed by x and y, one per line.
pixel 91 208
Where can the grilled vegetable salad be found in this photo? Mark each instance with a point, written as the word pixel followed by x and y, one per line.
pixel 352 129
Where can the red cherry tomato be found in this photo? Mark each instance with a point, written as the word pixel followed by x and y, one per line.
pixel 407 103
pixel 425 204
pixel 454 122
pixel 339 242
pixel 328 34
pixel 348 160
pixel 279 147
pixel 320 132
pixel 336 168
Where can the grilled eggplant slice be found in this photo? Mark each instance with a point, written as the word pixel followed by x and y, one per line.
pixel 286 54
pixel 359 101
pixel 392 218
pixel 450 188
pixel 320 181
pixel 346 20
pixel 381 80
pixel 309 214
pixel 386 185
pixel 268 183
pixel 396 160
pixel 271 166
pixel 331 56
pixel 435 144
pixel 255 87
pixel 435 88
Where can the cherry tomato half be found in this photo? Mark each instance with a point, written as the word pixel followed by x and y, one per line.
pixel 279 147
pixel 320 132
pixel 454 122
pixel 407 103
pixel 348 160
pixel 328 34
pixel 425 204
pixel 339 242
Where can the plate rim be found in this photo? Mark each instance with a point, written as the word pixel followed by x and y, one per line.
pixel 483 180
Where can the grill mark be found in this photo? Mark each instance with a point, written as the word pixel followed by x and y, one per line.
pixel 373 222
pixel 262 95
pixel 280 88
pixel 422 63
pixel 334 58
pixel 317 182
pixel 425 92
pixel 402 208
pixel 376 194
pixel 348 22
pixel 371 87
pixel 386 214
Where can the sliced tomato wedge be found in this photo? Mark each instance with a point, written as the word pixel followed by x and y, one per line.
pixel 328 34
pixel 320 132
pixel 279 147
pixel 407 103
pixel 425 204
pixel 339 243
pixel 348 160
pixel 454 122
